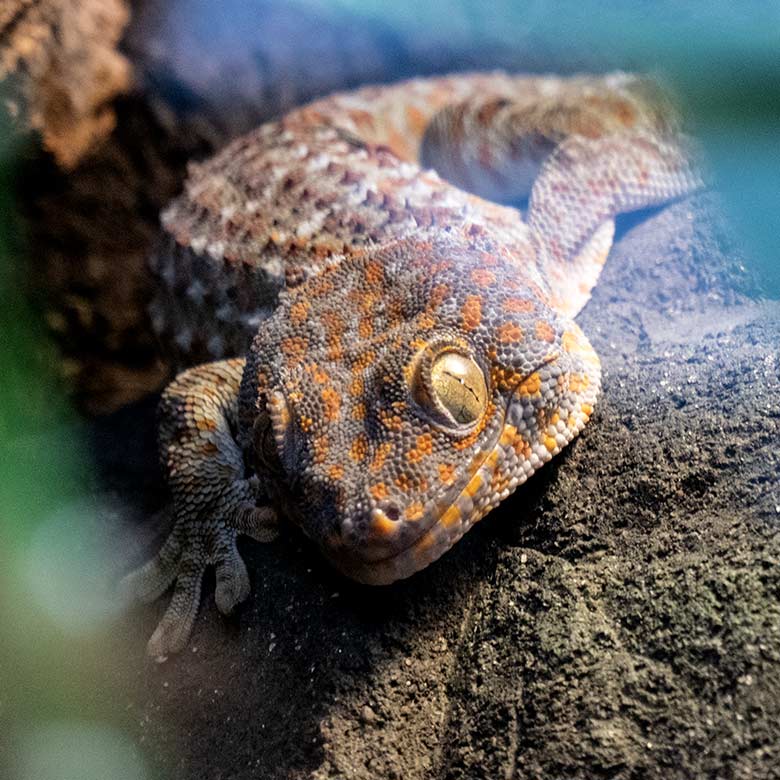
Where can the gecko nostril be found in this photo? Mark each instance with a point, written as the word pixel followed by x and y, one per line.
pixel 392 512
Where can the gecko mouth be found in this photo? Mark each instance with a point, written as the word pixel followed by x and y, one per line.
pixel 398 548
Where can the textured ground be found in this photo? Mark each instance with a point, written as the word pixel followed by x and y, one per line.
pixel 618 617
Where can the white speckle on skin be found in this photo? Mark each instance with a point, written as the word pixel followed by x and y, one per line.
pixel 198 244
pixel 216 250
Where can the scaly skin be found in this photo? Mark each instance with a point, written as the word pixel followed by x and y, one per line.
pixel 414 356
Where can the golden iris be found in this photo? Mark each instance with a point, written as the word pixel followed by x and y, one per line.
pixel 459 386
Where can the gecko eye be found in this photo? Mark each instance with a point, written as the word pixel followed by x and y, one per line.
pixel 452 387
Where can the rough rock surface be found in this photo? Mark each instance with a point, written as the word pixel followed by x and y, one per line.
pixel 65 69
pixel 618 617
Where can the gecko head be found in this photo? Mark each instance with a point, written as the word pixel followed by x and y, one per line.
pixel 408 391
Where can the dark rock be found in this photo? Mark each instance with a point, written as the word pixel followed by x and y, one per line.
pixel 619 616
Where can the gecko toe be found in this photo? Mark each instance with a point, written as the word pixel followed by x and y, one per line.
pixel 150 581
pixel 232 579
pixel 173 631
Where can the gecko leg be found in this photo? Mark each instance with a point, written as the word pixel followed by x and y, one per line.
pixel 585 154
pixel 213 502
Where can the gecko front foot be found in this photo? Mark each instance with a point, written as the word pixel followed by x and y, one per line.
pixel 182 561
pixel 213 502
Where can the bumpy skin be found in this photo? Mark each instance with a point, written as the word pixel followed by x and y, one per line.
pixel 414 356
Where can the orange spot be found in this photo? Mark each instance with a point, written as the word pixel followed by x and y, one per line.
pixel 359 412
pixel 390 420
pixel 332 403
pixel 503 378
pixel 398 143
pixel 474 486
pixel 510 333
pixel 335 351
pixel 333 322
pixel 305 424
pixel 521 447
pixel 336 472
pixel 278 408
pixel 550 443
pixel 482 277
pixel 320 448
pixel 206 424
pixel 363 361
pixel 382 451
pixel 425 443
pixel 414 456
pixel 408 483
pixel 426 321
pixel 414 511
pixel 295 347
pixel 578 382
pixel 379 491
pixel 365 328
pixel 416 120
pixel 363 120
pixel 518 305
pixel 422 450
pixel 472 312
pixel 299 311
pixel 375 273
pixel 447 473
pixel 544 331
pixel 317 374
pixel 359 448
pixel 438 295
pixel 356 387
pixel 498 482
pixel 531 385
pixel 587 409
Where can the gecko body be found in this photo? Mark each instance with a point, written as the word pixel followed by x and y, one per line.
pixel 413 352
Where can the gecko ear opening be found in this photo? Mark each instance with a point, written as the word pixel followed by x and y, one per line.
pixel 279 447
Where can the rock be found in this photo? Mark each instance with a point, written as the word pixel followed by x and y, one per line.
pixel 67 70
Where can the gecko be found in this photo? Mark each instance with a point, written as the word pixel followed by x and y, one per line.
pixel 379 291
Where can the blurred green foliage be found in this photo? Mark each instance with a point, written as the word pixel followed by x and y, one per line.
pixel 57 706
